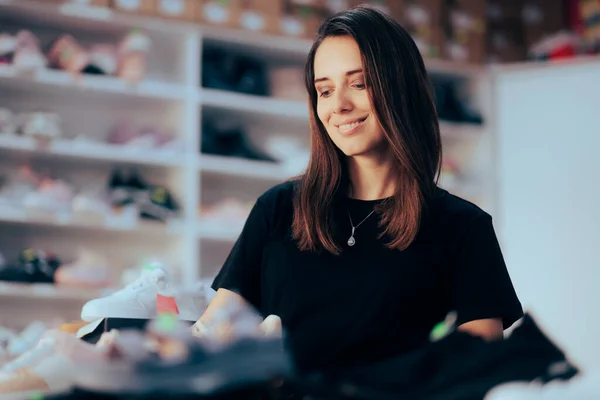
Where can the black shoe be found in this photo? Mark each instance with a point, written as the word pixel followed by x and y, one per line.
pixel 231 72
pixel 33 266
pixel 230 143
pixel 449 105
pixel 158 204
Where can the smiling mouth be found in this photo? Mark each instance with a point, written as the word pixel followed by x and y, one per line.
pixel 346 128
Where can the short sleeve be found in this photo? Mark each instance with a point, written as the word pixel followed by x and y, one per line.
pixel 481 285
pixel 241 272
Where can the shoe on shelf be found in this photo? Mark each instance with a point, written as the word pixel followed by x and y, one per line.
pixel 132 53
pixel 8 45
pixel 40 125
pixel 54 196
pixel 89 270
pixel 33 266
pixel 8 122
pixel 67 55
pixel 102 60
pixel 158 204
pixel 27 55
pixel 230 142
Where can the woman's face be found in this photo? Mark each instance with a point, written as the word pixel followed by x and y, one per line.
pixel 343 103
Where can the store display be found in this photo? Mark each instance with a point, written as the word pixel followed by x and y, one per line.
pixel 229 142
pixel 126 60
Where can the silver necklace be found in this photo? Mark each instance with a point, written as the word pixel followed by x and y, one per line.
pixel 351 240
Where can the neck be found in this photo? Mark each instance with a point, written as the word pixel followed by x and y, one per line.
pixel 371 179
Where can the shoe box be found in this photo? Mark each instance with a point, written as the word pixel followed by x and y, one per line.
pixel 464 25
pixel 250 15
pixel 301 20
pixel 143 7
pixel 182 10
pixel 423 21
pixel 218 12
pixel 93 3
pixel 260 15
pixel 504 32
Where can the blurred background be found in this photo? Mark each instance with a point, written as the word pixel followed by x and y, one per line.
pixel 141 130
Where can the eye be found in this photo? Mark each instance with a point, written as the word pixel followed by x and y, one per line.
pixel 324 93
pixel 359 85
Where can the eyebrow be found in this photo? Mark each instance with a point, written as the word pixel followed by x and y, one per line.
pixel 354 71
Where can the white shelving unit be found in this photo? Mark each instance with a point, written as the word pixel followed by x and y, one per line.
pixel 171 94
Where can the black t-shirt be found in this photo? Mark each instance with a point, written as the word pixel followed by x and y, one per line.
pixel 369 303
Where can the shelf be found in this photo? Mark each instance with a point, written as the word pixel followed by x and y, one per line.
pixel 68 221
pixel 87 151
pixel 79 16
pixel 217 231
pixel 242 167
pixel 52 79
pixel 266 106
pixel 46 292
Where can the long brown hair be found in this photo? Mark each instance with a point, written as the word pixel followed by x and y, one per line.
pixel 401 97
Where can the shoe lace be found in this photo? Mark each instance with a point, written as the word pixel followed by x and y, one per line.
pixel 148 276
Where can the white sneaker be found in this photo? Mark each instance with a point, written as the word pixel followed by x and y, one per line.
pixel 136 300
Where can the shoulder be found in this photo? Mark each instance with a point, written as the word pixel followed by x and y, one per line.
pixel 276 205
pixel 281 195
pixel 454 214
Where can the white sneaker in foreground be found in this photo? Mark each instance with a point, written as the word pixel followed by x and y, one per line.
pixel 136 300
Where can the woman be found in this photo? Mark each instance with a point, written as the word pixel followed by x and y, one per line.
pixel 364 254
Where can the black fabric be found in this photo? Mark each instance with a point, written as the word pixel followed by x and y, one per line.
pixel 369 303
pixel 459 366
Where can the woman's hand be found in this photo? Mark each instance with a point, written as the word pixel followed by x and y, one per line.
pixel 489 329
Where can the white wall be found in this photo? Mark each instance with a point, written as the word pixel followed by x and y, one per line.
pixel 548 219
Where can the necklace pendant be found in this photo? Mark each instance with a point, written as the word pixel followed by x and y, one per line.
pixel 351 241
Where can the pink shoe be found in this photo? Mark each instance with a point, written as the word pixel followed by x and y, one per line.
pixel 67 55
pixel 88 271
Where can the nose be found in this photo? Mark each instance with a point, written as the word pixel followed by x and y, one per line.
pixel 342 103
